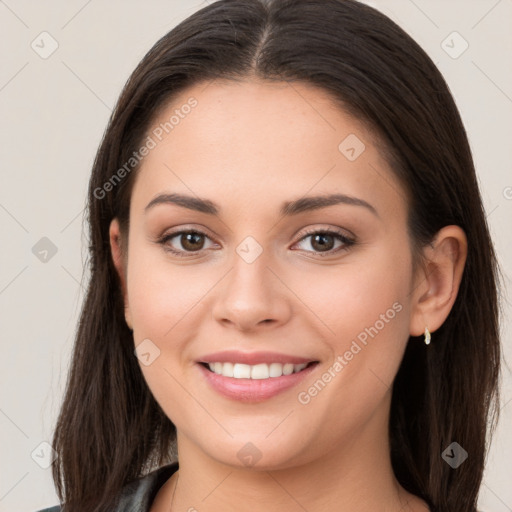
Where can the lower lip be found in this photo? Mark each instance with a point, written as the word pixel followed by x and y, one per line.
pixel 253 390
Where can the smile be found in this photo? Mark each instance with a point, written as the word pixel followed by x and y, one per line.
pixel 254 383
pixel 257 371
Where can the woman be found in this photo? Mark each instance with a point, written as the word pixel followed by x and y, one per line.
pixel 293 285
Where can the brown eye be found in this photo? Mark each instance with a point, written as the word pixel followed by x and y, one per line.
pixel 182 242
pixel 192 241
pixel 324 241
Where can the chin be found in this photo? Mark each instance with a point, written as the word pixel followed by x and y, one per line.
pixel 258 452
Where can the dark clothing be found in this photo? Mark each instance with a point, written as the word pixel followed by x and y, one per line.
pixel 137 496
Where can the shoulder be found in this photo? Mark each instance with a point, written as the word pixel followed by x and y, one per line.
pixel 140 492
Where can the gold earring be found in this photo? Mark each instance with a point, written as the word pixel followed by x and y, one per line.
pixel 427 336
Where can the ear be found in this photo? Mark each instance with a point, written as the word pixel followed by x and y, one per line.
pixel 119 259
pixel 437 283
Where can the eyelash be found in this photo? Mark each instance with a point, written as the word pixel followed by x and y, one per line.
pixel 347 242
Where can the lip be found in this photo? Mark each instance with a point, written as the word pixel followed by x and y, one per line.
pixel 254 390
pixel 252 358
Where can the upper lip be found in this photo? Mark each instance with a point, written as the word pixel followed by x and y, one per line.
pixel 252 358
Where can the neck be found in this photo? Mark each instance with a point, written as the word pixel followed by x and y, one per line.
pixel 356 476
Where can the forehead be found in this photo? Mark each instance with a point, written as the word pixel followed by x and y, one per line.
pixel 255 139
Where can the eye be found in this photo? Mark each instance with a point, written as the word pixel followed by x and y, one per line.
pixel 323 241
pixel 191 241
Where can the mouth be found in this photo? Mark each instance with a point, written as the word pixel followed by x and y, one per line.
pixel 254 383
pixel 257 371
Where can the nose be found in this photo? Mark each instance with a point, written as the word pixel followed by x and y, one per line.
pixel 252 296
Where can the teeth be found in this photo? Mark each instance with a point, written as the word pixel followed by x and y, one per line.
pixel 257 371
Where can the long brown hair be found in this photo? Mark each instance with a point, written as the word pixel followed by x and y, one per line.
pixel 110 429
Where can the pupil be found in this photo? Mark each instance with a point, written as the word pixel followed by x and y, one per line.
pixel 191 240
pixel 322 244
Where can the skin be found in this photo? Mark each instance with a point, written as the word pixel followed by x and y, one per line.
pixel 249 146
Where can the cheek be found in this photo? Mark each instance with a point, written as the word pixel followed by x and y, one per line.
pixel 162 294
pixel 368 311
pixel 164 299
pixel 353 298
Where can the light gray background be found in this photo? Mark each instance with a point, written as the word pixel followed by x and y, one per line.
pixel 53 113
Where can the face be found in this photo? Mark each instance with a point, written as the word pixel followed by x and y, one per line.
pixel 325 284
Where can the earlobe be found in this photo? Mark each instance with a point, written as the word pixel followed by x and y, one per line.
pixel 119 260
pixel 437 282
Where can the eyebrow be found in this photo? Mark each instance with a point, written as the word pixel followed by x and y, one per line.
pixel 289 208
